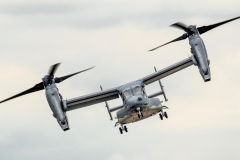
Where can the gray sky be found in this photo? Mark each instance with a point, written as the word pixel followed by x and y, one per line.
pixel 115 36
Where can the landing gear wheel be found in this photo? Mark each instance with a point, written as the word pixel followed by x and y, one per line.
pixel 139 116
pixel 121 131
pixel 165 114
pixel 160 115
pixel 125 128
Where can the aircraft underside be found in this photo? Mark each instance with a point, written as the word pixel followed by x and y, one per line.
pixel 147 111
pixel 135 117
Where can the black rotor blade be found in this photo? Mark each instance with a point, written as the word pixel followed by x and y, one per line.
pixel 180 25
pixel 184 36
pixel 60 79
pixel 37 87
pixel 53 69
pixel 204 29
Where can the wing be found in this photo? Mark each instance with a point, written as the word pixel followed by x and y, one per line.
pixel 112 93
pixel 93 98
pixel 167 71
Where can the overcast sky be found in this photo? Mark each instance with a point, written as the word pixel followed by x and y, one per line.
pixel 115 36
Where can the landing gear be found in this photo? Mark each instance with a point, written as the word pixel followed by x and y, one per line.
pixel 160 115
pixel 125 128
pixel 140 115
pixel 165 114
pixel 120 129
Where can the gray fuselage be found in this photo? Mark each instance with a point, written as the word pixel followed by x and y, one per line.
pixel 136 101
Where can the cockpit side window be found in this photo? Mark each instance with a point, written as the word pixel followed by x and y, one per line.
pixel 128 93
pixel 137 90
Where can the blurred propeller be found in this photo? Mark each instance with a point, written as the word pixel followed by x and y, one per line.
pixel 180 25
pixel 53 69
pixel 60 79
pixel 189 31
pixel 40 86
pixel 37 87
pixel 204 29
pixel 184 36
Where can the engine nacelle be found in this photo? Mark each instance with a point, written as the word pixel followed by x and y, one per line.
pixel 57 106
pixel 207 75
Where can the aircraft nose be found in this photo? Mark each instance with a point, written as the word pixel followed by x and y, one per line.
pixel 136 101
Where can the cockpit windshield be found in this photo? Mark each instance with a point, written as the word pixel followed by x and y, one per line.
pixel 128 93
pixel 137 90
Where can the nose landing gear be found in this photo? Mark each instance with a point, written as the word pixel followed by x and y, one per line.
pixel 140 114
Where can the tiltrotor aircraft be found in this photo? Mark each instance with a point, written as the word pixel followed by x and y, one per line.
pixel 198 49
pixel 53 96
pixel 137 105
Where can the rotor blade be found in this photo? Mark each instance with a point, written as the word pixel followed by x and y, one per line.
pixel 184 36
pixel 180 25
pixel 37 87
pixel 53 69
pixel 204 29
pixel 60 79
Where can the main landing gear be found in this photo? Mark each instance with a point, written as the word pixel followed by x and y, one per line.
pixel 161 115
pixel 121 129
